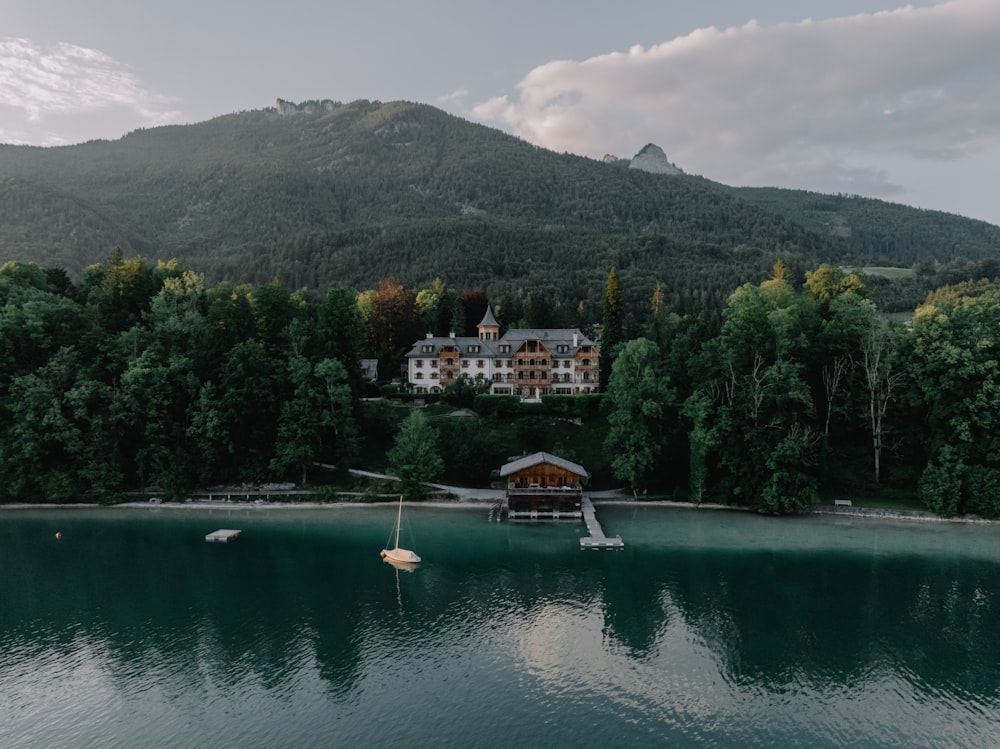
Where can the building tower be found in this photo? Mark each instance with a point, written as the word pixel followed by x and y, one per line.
pixel 489 328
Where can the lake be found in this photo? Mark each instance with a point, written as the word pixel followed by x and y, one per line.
pixel 710 629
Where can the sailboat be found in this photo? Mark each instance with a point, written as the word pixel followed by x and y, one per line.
pixel 401 556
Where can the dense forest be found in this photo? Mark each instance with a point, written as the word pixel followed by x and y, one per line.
pixel 748 353
pixel 350 194
pixel 143 377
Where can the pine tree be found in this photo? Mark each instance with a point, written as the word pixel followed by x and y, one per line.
pixel 612 325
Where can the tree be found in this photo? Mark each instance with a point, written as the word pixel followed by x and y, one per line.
pixel 637 398
pixel 828 282
pixel 392 324
pixel 752 405
pixel 613 325
pixel 471 308
pixel 414 458
pixel 878 354
pixel 337 402
pixel 274 309
pixel 249 376
pixel 120 290
pixel 955 368
pixel 158 396
pixel 436 305
pixel 339 334
pixel 297 441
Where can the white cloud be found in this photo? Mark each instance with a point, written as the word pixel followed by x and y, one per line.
pixel 794 103
pixel 454 99
pixel 63 79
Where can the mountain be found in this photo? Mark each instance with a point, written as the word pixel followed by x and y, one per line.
pixel 878 232
pixel 652 159
pixel 323 193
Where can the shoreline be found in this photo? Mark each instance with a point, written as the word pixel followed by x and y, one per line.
pixel 485 502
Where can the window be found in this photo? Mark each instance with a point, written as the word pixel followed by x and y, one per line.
pixel 586 362
pixel 420 363
pixel 474 348
pixel 562 348
pixel 434 375
pixel 434 362
pixel 420 375
pixel 480 363
pixel 566 364
pixel 504 348
pixel 427 349
pixel 451 362
pixel 465 363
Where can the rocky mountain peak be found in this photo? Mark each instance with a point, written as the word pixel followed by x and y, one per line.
pixel 309 107
pixel 652 159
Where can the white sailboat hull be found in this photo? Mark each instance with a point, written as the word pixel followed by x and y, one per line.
pixel 400 555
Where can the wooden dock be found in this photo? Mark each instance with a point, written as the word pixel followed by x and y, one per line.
pixel 222 536
pixel 596 539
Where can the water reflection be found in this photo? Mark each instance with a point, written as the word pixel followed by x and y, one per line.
pixel 702 627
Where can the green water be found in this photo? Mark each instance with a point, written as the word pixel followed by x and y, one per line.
pixel 709 629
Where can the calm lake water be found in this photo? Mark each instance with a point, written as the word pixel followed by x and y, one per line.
pixel 709 629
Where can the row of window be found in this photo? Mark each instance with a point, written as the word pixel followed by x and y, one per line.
pixel 509 376
pixel 509 363
pixel 531 347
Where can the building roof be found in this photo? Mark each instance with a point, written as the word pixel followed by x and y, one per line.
pixel 369 369
pixel 488 319
pixel 486 348
pixel 572 338
pixel 542 457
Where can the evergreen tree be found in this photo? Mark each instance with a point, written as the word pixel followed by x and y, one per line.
pixel 613 324
pixel 415 458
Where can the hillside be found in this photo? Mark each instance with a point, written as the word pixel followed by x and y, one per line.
pixel 351 193
pixel 877 232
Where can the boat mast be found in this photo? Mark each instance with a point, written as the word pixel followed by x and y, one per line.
pixel 399 518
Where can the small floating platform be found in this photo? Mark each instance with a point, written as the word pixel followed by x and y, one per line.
pixel 222 536
pixel 596 539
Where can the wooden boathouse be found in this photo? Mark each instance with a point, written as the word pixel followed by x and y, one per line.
pixel 542 486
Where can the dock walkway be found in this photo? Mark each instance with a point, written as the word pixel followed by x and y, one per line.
pixel 596 539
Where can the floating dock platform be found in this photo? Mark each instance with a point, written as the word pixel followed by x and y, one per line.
pixel 596 539
pixel 222 536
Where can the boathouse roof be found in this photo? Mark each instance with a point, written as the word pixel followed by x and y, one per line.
pixel 542 457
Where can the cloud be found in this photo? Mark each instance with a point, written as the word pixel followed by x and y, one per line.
pixel 454 99
pixel 64 79
pixel 794 103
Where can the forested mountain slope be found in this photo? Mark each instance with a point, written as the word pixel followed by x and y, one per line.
pixel 875 232
pixel 350 194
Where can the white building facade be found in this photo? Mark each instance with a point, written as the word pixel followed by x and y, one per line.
pixel 530 362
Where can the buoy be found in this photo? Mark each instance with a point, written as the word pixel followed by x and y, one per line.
pixel 58 534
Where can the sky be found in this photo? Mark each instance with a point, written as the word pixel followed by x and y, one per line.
pixel 863 97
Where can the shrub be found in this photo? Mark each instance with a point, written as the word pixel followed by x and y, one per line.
pixel 940 485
